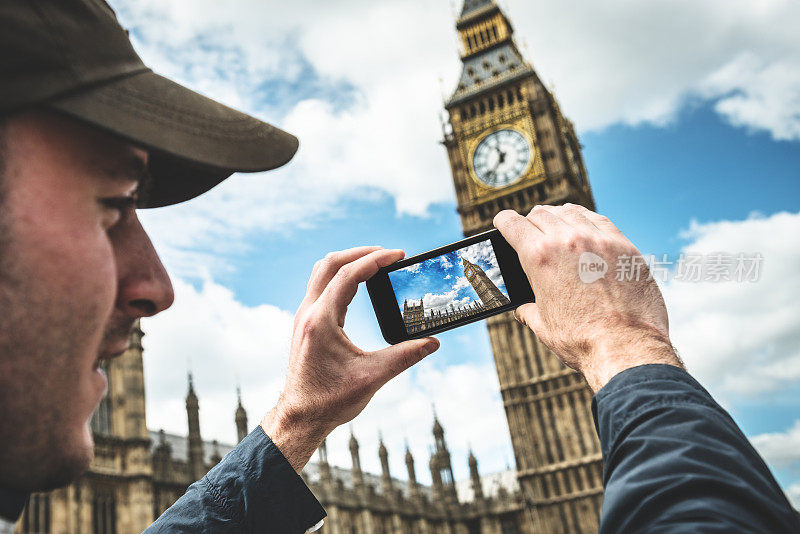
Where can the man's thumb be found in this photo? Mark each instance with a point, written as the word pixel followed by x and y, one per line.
pixel 395 359
pixel 528 315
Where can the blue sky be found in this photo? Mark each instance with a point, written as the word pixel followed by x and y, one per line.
pixel 690 120
pixel 440 282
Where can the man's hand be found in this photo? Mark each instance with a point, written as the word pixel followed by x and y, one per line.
pixel 330 380
pixel 599 328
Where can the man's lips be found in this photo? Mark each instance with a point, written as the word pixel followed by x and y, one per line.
pixel 112 352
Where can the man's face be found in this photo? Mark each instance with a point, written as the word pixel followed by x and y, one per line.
pixel 76 271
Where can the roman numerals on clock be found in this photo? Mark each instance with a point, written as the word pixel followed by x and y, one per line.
pixel 501 158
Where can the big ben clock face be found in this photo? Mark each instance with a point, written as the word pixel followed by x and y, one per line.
pixel 501 158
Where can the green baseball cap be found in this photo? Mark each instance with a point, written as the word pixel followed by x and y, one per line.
pixel 72 56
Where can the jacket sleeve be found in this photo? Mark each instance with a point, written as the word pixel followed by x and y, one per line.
pixel 675 461
pixel 253 489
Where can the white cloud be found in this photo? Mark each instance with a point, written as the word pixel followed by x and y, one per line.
pixel 443 301
pixel 759 94
pixel 611 63
pixel 369 124
pixel 479 253
pixel 742 338
pixel 460 283
pixel 219 339
pixel 793 493
pixel 780 449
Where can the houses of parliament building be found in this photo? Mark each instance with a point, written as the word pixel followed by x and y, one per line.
pixel 415 319
pixel 509 147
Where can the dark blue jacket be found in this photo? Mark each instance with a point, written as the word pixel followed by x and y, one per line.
pixel 676 462
pixel 253 489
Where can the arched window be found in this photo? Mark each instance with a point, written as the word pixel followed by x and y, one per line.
pixel 36 517
pixel 104 513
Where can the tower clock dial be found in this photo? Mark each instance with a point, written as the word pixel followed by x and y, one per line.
pixel 501 157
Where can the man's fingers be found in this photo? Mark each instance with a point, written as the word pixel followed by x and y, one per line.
pixel 326 268
pixel 574 215
pixel 548 219
pixel 343 286
pixel 395 359
pixel 516 229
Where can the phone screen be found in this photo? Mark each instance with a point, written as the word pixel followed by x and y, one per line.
pixel 450 287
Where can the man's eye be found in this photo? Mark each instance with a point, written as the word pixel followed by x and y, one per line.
pixel 124 205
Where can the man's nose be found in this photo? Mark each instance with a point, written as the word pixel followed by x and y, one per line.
pixel 144 285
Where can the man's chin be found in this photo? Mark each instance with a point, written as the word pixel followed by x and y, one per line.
pixel 73 462
pixel 69 470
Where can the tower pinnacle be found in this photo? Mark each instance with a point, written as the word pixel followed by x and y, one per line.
pixel 240 417
pixel 196 464
pixel 358 475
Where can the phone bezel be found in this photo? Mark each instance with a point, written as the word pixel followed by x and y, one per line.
pixel 389 315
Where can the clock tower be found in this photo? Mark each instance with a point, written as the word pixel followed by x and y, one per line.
pixel 511 148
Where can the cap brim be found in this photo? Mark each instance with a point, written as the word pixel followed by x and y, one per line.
pixel 195 142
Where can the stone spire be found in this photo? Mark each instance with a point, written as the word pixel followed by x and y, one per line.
pixel 438 430
pixel 196 467
pixel 358 475
pixel 442 462
pixel 412 473
pixel 241 417
pixel 386 476
pixel 436 476
pixel 324 466
pixel 475 478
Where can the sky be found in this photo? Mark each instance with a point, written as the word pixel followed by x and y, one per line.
pixel 689 115
pixel 440 282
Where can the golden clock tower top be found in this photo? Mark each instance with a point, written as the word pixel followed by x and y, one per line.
pixel 508 143
pixel 488 52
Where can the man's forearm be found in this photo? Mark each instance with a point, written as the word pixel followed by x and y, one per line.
pixel 675 460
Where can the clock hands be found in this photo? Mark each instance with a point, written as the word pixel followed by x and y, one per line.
pixel 500 157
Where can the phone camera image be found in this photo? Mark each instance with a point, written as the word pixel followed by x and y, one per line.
pixel 449 288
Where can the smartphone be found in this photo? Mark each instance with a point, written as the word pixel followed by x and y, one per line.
pixel 448 287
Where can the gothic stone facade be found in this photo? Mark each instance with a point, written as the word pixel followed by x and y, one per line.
pixel 416 320
pixel 137 474
pixel 510 147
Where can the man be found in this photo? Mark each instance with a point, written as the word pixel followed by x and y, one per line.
pixel 88 133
